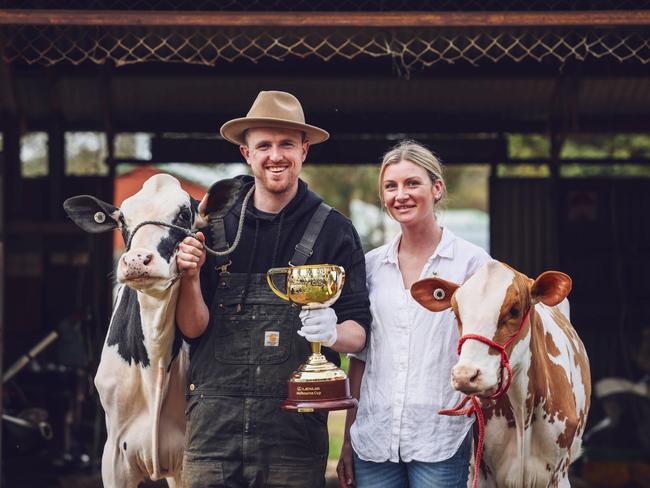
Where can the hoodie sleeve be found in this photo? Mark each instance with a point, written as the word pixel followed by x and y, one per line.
pixel 344 249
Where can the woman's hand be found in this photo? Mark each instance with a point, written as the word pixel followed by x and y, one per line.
pixel 345 467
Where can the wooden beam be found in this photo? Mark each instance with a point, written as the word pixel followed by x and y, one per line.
pixel 352 150
pixel 602 18
pixel 338 150
pixel 580 161
pixel 398 123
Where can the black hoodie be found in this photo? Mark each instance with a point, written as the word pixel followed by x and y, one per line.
pixel 268 240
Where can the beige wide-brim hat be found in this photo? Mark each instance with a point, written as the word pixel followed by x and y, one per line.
pixel 273 109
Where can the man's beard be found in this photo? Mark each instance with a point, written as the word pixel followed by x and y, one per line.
pixel 280 191
pixel 279 187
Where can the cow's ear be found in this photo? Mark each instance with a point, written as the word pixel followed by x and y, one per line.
pixel 433 293
pixel 550 288
pixel 220 197
pixel 92 214
pixel 200 220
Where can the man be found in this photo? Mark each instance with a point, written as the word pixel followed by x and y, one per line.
pixel 245 341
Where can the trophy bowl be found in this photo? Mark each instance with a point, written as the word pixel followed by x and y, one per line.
pixel 317 384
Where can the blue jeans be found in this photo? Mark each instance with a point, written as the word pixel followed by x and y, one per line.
pixel 450 473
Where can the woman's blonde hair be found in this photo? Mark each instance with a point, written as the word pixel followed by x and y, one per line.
pixel 416 153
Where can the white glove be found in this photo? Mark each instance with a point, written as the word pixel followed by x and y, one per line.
pixel 319 325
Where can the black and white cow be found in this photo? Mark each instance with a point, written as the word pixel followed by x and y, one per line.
pixel 141 375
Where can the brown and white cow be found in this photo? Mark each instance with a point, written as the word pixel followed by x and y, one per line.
pixel 533 431
pixel 141 374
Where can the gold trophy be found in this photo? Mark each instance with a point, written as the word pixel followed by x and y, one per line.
pixel 317 384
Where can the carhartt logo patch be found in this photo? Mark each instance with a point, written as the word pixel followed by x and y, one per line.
pixel 272 338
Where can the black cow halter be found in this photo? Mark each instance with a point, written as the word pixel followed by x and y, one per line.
pixel 192 233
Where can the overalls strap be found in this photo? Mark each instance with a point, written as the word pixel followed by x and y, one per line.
pixel 219 242
pixel 305 248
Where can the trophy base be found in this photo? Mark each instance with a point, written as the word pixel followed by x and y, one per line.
pixel 319 406
pixel 318 385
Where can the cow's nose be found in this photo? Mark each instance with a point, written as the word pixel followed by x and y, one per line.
pixel 136 262
pixel 138 258
pixel 465 378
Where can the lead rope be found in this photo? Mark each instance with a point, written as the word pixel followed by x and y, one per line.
pixel 192 233
pixel 475 407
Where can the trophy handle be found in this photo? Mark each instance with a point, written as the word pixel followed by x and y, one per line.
pixel 269 278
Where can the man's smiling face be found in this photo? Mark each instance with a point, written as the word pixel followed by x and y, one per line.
pixel 275 157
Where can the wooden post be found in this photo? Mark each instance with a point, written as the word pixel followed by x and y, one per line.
pixel 492 180
pixel 2 283
pixel 3 196
pixel 9 171
pixel 100 249
pixel 56 151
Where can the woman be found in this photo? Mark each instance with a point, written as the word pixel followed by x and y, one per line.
pixel 397 439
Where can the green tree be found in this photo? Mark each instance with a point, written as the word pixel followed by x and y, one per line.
pixel 340 184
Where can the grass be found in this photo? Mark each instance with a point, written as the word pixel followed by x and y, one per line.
pixel 336 422
pixel 336 426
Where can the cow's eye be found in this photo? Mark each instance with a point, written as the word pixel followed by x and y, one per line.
pixel 514 311
pixel 184 215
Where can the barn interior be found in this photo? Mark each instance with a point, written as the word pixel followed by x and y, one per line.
pixel 461 76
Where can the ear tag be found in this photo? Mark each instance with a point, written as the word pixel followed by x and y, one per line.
pixel 439 294
pixel 100 217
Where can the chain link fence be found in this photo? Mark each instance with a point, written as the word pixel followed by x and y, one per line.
pixel 408 48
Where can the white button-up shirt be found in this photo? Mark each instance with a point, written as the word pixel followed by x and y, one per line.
pixel 407 377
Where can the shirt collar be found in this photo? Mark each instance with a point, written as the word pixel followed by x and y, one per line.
pixel 445 248
pixel 390 255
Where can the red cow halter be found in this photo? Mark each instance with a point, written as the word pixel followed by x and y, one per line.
pixel 475 408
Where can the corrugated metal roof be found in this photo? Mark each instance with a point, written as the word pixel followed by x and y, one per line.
pixel 178 100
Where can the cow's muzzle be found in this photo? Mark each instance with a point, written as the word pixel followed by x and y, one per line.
pixel 136 264
pixel 466 379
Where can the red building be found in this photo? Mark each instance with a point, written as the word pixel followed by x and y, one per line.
pixel 131 182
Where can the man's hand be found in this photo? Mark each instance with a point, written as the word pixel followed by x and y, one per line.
pixel 191 255
pixel 319 325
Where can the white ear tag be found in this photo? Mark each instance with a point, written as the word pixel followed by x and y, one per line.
pixel 439 294
pixel 100 217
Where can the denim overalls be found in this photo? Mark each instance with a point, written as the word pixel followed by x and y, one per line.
pixel 237 435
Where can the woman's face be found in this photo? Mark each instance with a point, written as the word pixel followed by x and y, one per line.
pixel 408 192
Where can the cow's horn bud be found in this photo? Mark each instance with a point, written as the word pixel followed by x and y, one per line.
pixel 439 294
pixel 100 217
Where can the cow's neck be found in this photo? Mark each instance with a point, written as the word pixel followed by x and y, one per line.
pixel 515 409
pixel 158 315
pixel 518 391
pixel 530 386
pixel 537 377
